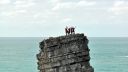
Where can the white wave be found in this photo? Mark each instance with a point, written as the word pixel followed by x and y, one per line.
pixel 125 56
pixel 122 56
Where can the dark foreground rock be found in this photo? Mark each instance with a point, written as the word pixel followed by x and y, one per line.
pixel 64 54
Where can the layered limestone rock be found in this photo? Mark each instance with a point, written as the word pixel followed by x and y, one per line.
pixel 64 54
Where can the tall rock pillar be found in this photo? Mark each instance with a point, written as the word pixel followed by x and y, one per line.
pixel 64 54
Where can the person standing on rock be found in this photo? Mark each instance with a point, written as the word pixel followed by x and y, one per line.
pixel 72 29
pixel 67 30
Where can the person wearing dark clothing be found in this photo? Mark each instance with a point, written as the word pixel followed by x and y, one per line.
pixel 72 30
pixel 67 30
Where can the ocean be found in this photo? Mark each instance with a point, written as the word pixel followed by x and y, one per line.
pixel 108 54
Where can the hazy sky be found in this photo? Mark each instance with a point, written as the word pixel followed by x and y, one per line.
pixel 44 18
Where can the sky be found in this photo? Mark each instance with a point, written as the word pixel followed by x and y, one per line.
pixel 45 18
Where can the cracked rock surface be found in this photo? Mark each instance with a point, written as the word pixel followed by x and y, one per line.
pixel 64 54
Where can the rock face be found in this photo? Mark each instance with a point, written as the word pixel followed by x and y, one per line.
pixel 64 54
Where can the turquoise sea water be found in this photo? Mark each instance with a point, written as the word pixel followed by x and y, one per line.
pixel 18 54
pixel 107 54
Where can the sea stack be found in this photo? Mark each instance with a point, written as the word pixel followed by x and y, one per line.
pixel 68 53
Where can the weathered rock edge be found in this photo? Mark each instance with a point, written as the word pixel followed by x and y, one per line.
pixel 64 54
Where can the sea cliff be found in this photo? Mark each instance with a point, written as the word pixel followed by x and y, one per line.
pixel 64 54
